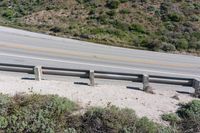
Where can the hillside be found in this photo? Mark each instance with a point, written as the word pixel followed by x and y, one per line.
pixel 158 25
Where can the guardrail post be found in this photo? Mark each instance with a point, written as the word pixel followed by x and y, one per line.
pixel 38 73
pixel 91 77
pixel 196 86
pixel 145 81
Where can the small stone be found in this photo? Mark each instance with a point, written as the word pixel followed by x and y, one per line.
pixel 89 102
pixel 176 97
pixel 149 89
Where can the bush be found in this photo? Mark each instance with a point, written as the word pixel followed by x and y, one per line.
pixel 189 110
pixel 175 17
pixel 198 45
pixel 34 113
pixel 124 11
pixel 113 4
pixel 137 28
pixel 168 47
pixel 151 8
pixel 171 117
pixel 153 44
pixel 123 1
pixel 115 120
pixel 144 125
pixel 182 44
pixel 9 14
pixel 110 119
pixel 111 13
pixel 190 114
pixel 103 19
pixel 120 25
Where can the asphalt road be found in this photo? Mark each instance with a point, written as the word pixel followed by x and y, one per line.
pixel 23 47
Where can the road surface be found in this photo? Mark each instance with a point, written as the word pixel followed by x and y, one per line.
pixel 23 47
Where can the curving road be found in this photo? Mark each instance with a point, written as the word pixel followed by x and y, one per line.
pixel 23 47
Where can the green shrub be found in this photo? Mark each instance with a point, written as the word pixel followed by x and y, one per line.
pixel 110 119
pixel 124 11
pixel 35 113
pixel 171 117
pixel 182 44
pixel 113 119
pixel 198 45
pixel 3 3
pixel 190 114
pixel 120 25
pixel 103 19
pixel 194 18
pixel 111 13
pixel 123 1
pixel 168 47
pixel 3 122
pixel 144 125
pixel 153 44
pixel 189 110
pixel 113 4
pixel 137 28
pixel 175 17
pixel 193 44
pixel 151 8
pixel 92 12
pixel 9 14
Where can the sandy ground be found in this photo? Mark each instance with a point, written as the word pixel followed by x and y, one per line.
pixel 150 105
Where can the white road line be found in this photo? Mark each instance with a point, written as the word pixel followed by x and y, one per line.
pixel 97 65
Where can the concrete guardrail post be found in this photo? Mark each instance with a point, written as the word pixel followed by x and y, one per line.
pixel 145 81
pixel 196 86
pixel 91 77
pixel 38 73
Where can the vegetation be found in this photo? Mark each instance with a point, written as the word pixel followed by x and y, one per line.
pixel 190 114
pixel 161 25
pixel 41 113
pixel 186 119
pixel 49 113
pixel 34 113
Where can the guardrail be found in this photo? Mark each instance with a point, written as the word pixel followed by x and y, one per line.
pixel 92 75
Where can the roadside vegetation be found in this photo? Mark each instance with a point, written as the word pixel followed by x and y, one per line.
pixel 158 25
pixel 50 113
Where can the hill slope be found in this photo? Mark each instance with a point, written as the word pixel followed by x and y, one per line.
pixel 167 25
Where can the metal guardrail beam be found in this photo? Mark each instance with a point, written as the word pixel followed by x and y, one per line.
pixel 92 75
pixel 16 65
pixel 168 77
pixel 17 69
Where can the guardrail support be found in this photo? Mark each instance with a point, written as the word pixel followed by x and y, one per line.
pixel 145 81
pixel 38 73
pixel 91 77
pixel 196 86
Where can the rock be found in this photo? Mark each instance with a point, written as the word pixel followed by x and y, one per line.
pixel 149 89
pixel 176 97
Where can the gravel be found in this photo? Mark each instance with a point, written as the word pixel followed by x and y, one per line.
pixel 145 104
